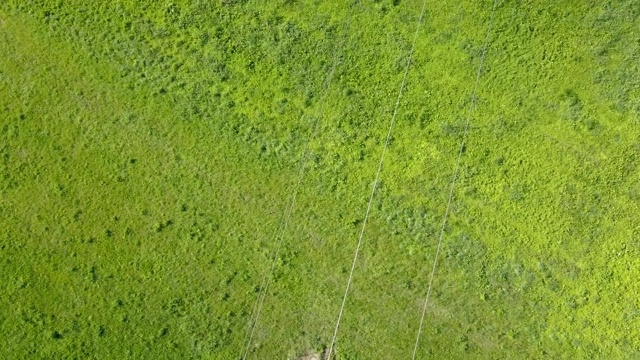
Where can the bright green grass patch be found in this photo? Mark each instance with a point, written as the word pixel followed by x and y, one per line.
pixel 148 150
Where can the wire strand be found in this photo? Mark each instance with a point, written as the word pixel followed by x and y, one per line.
pixel 375 182
pixel 453 182
pixel 264 288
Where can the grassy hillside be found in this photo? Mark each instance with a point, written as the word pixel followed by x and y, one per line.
pixel 149 149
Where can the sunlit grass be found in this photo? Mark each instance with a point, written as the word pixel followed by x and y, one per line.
pixel 148 149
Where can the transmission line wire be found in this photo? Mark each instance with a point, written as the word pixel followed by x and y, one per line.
pixel 453 182
pixel 266 281
pixel 375 182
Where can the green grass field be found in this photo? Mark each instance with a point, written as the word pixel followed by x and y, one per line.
pixel 149 149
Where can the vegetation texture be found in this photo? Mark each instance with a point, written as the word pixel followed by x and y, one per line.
pixel 148 150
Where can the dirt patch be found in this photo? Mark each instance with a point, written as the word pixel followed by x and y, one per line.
pixel 311 356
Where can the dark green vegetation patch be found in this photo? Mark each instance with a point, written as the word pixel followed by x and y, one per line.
pixel 148 149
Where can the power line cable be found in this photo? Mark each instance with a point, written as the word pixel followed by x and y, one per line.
pixel 266 281
pixel 453 182
pixel 375 182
